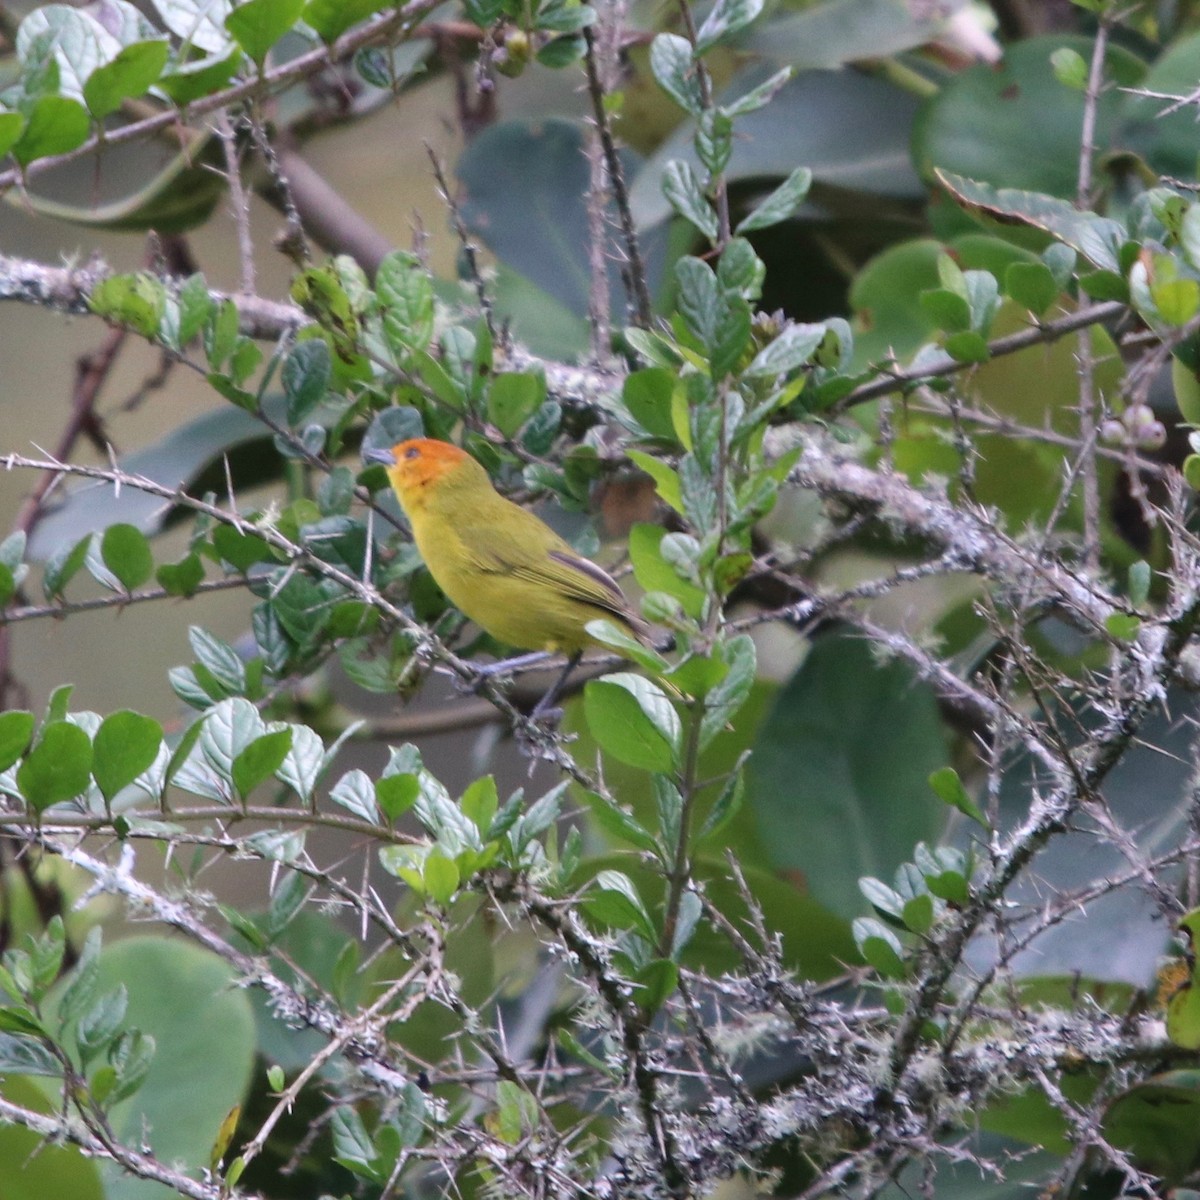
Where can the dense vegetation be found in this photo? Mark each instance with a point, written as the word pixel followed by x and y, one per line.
pixel 862 338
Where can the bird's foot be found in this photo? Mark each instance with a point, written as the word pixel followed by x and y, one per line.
pixel 539 736
pixel 486 672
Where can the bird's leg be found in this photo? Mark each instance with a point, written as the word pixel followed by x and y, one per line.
pixel 545 705
pixel 507 665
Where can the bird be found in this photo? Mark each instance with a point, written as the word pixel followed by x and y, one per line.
pixel 500 565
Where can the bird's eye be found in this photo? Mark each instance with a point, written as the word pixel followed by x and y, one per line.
pixel 412 452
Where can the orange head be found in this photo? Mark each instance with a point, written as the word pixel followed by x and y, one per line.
pixel 419 463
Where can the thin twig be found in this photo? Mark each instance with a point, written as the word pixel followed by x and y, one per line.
pixel 636 273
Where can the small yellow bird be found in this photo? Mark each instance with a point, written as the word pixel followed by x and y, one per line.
pixel 500 565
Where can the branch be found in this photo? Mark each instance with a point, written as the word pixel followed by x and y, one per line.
pixel 377 29
pixel 542 742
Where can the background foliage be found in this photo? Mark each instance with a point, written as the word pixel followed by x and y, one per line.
pixel 862 339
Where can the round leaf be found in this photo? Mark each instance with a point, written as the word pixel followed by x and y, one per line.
pixel 58 768
pixel 126 553
pixel 126 744
pixel 259 24
pixel 839 775
pixel 16 728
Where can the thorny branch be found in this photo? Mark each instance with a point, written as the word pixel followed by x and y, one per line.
pixel 693 1125
pixel 675 1085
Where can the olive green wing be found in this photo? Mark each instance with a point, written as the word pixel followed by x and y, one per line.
pixel 545 559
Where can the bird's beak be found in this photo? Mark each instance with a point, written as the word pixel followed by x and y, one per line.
pixel 383 457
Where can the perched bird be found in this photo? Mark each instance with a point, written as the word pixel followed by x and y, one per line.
pixel 503 567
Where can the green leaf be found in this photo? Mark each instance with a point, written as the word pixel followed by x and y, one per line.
pixel 714 141
pixel 949 789
pixel 11 126
pixel 137 300
pixel 240 550
pixel 479 802
pixel 1177 300
pixel 1031 284
pixel 56 706
pixel 260 760
pixel 879 946
pixel 686 196
pixel 1098 239
pixel 218 657
pixel 195 309
pixel 655 573
pixel 12 551
pixel 34 1168
pixel 227 729
pixel 441 877
pixel 647 394
pixel 850 129
pixel 352 1144
pixel 839 776
pixel 16 728
pixel 97 1026
pixel 655 983
pixel 130 1058
pixel 1157 1121
pixel 405 291
pixel 780 204
pixel 331 18
pixel 259 24
pixel 633 720
pixel 1140 577
pixel 513 398
pixel 53 125
pixel 1029 123
pixel 181 578
pixel 730 336
pixel 81 984
pixel 741 270
pixel 699 299
pixel 396 794
pixel 1123 626
pixel 126 553
pixel 132 73
pixel 947 310
pixel 726 17
pixel 619 824
pixel 202 1024
pixel 287 899
pixel 613 902
pixel 518 167
pixel 8 584
pixel 23 1056
pixel 672 64
pixel 58 768
pixel 666 481
pixel 305 378
pixel 188 81
pixel 356 793
pixel 792 349
pixel 725 700
pixel 918 913
pixel 565 17
pixel 885 900
pixel 125 745
pixel 610 634
pixel 1183 1016
pixel 1070 68
pixel 727 804
pixel 968 347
